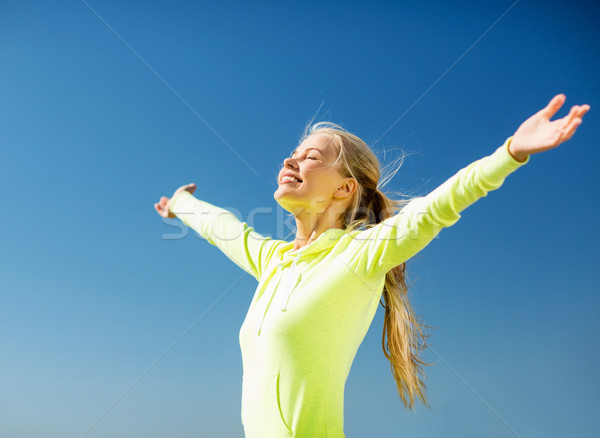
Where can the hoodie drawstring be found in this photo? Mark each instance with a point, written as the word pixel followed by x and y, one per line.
pixel 285 297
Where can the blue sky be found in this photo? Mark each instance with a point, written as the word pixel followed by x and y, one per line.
pixel 96 127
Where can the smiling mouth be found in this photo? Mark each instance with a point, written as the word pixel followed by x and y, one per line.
pixel 289 181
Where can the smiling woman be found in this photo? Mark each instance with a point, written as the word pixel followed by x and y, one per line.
pixel 311 186
pixel 317 296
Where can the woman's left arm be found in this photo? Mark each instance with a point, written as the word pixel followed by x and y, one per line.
pixel 401 236
pixel 538 133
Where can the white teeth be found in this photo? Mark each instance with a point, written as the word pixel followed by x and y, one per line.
pixel 289 178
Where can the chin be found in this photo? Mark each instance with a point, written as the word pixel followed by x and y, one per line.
pixel 284 201
pixel 280 197
pixel 280 193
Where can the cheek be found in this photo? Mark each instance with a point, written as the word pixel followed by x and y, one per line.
pixel 319 182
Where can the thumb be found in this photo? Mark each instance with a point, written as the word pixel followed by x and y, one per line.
pixel 553 106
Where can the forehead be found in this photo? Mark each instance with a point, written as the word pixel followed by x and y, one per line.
pixel 319 142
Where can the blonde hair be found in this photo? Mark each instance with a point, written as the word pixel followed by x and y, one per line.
pixel 405 333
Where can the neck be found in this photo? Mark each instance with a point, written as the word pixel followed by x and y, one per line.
pixel 309 226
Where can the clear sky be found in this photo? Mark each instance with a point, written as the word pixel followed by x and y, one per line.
pixel 110 327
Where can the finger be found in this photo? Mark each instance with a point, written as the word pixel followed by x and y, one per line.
pixel 583 109
pixel 571 128
pixel 566 121
pixel 159 210
pixel 572 121
pixel 576 124
pixel 554 105
pixel 576 111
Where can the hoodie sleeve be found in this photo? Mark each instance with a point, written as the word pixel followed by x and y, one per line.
pixel 221 228
pixel 399 237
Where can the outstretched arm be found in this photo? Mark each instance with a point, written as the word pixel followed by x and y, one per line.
pixel 403 235
pixel 221 228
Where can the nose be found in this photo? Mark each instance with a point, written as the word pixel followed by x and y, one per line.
pixel 289 163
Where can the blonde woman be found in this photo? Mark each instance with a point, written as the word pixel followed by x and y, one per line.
pixel 317 295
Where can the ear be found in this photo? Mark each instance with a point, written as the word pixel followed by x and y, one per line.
pixel 346 189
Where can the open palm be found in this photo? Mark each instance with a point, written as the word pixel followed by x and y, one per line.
pixel 538 133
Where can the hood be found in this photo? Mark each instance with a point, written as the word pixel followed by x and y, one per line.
pixel 326 240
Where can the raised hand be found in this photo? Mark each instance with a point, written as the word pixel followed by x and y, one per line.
pixel 538 133
pixel 162 206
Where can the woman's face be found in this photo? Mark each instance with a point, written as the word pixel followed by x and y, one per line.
pixel 320 183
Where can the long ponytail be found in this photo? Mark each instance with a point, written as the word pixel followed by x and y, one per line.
pixel 405 333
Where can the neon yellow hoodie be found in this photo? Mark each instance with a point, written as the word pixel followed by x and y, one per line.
pixel 313 307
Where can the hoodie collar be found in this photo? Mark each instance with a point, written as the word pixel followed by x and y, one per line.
pixel 326 240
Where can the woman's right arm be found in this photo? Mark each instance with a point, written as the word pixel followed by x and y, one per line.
pixel 220 227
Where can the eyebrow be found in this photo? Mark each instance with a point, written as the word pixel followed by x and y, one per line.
pixel 307 149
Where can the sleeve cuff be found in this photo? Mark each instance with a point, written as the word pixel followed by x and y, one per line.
pixel 497 166
pixel 177 199
pixel 509 157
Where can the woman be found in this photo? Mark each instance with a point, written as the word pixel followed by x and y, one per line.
pixel 317 295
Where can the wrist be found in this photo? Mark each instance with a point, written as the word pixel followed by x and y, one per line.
pixel 517 155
